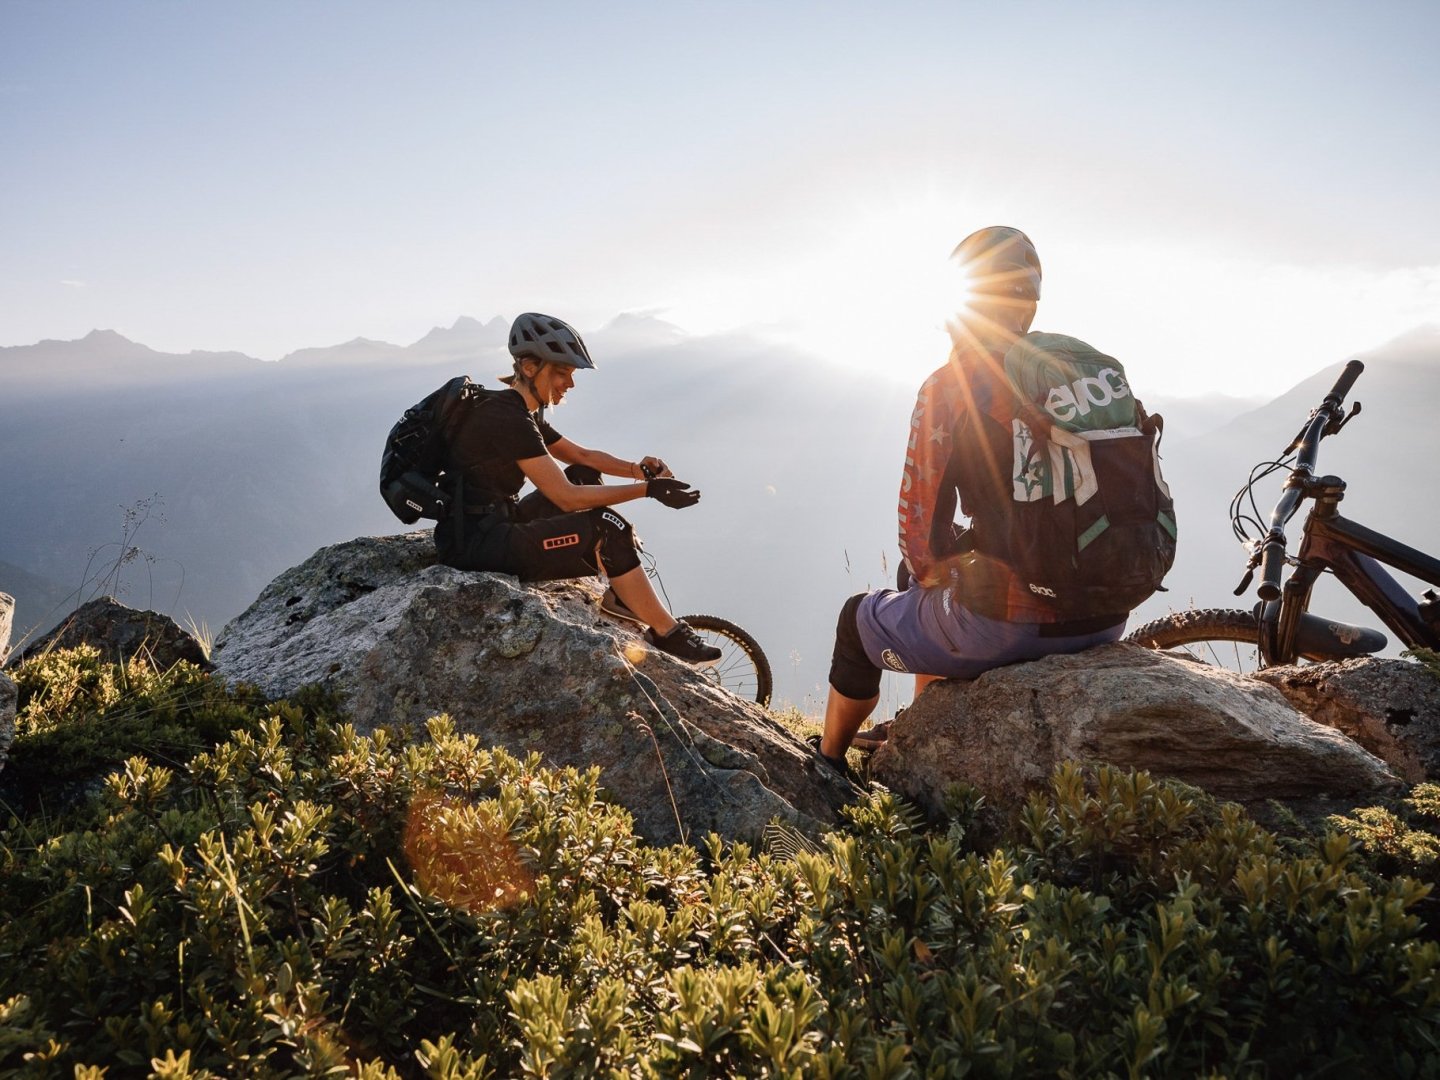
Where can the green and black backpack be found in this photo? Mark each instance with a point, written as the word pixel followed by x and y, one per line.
pixel 1088 523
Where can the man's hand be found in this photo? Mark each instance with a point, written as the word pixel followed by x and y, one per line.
pixel 653 467
pixel 675 494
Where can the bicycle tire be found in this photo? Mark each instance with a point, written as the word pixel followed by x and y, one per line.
pixel 742 668
pixel 1222 637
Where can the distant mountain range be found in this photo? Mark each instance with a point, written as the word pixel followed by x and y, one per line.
pixel 246 467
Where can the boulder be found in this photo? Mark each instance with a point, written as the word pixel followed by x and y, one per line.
pixel 1390 707
pixel 1238 739
pixel 530 668
pixel 121 632
pixel 7 621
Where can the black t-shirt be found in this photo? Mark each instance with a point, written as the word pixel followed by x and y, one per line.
pixel 486 440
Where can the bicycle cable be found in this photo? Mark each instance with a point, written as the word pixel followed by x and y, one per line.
pixel 1240 521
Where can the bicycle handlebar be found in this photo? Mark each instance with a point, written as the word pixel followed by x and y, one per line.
pixel 1322 422
pixel 1344 383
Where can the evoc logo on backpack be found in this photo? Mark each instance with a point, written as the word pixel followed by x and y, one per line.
pixel 1091 524
pixel 1071 400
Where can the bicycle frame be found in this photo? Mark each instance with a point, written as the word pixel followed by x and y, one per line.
pixel 1354 554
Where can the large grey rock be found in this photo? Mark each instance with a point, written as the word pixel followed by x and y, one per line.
pixel 7 621
pixel 1005 732
pixel 120 632
pixel 528 668
pixel 1390 707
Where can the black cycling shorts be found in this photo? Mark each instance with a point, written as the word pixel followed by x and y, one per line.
pixel 543 549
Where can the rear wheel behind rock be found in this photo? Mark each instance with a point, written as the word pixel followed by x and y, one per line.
pixel 742 668
pixel 1227 638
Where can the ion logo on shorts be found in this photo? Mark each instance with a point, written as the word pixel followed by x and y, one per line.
pixel 561 541
pixel 893 662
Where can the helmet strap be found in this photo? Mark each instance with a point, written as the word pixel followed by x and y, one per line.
pixel 527 381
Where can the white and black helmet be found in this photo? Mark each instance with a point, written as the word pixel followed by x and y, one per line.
pixel 549 340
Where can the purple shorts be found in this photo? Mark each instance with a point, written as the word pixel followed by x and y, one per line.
pixel 921 631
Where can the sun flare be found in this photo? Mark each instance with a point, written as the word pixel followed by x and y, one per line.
pixel 873 294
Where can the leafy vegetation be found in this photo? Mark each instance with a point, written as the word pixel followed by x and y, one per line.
pixel 1427 658
pixel 295 899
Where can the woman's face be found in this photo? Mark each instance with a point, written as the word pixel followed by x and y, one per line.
pixel 552 382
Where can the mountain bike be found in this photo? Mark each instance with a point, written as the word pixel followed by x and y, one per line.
pixel 1280 629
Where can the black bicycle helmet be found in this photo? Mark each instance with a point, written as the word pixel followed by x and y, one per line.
pixel 999 259
pixel 549 340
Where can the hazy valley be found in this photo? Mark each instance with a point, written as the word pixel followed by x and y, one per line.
pixel 247 467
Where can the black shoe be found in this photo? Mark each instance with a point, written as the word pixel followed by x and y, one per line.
pixel 840 765
pixel 612 605
pixel 684 644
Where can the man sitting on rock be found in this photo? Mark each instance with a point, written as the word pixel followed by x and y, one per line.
pixel 955 615
pixel 563 529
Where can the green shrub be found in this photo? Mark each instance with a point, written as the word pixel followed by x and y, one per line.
pixel 1426 658
pixel 78 716
pixel 298 900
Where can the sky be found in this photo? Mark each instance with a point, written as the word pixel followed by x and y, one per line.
pixel 1225 196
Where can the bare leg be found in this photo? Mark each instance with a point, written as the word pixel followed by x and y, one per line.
pixel 635 592
pixel 922 681
pixel 843 717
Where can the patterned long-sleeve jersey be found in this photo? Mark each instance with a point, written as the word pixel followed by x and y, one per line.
pixel 938 469
pixel 928 496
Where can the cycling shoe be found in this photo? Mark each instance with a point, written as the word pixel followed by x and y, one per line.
pixel 684 644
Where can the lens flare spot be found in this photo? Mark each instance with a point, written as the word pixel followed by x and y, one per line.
pixel 461 854
pixel 634 652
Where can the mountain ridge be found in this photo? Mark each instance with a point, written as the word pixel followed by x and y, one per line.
pixel 262 464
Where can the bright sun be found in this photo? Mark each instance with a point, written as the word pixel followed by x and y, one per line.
pixel 875 295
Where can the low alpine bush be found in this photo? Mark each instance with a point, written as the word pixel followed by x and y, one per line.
pixel 296 899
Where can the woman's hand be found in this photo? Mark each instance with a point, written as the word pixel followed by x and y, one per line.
pixel 651 467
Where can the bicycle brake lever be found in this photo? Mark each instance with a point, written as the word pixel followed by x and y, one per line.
pixel 1244 586
pixel 1333 428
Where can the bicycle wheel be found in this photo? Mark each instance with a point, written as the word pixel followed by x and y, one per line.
pixel 1222 637
pixel 742 668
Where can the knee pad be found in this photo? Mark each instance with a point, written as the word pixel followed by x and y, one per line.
pixel 851 671
pixel 583 475
pixel 617 542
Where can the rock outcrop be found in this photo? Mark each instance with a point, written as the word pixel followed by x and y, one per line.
pixel 1390 707
pixel 8 691
pixel 7 622
pixel 121 632
pixel 528 668
pixel 1236 738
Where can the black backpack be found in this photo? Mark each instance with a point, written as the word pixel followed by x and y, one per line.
pixel 413 481
pixel 1087 522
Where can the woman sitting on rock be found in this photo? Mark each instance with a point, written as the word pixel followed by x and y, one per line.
pixel 563 529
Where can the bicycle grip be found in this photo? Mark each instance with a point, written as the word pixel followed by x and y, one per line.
pixel 1345 381
pixel 1272 562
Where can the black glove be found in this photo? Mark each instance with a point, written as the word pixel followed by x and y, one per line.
pixel 675 494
